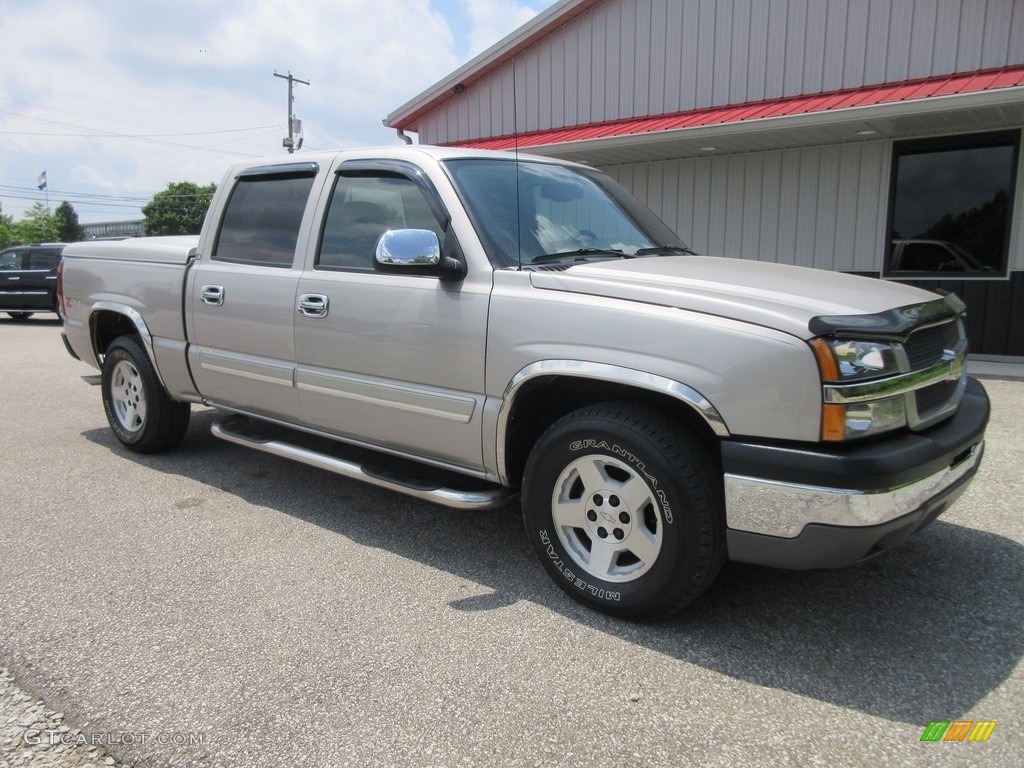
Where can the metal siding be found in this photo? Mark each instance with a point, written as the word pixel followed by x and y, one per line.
pixel 774 68
pixel 629 58
pixel 827 194
pixel 824 207
pixel 970 35
pixel 874 168
pixel 997 40
pixel 816 16
pixel 923 29
pixel 750 241
pixel 691 55
pixel 675 34
pixel 735 204
pixel 770 206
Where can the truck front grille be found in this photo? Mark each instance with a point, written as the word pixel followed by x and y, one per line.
pixel 928 346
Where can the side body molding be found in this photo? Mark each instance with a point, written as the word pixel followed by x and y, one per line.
pixel 600 372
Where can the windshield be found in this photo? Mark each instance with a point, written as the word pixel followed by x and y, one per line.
pixel 563 211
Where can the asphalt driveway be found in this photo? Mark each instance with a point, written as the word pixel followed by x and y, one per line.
pixel 240 610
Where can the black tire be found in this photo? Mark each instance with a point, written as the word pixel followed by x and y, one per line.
pixel 624 508
pixel 20 315
pixel 140 412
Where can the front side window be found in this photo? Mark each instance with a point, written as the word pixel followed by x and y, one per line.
pixel 561 210
pixel 951 206
pixel 364 205
pixel 261 223
pixel 12 259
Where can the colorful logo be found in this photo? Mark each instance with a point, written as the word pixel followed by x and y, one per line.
pixel 958 730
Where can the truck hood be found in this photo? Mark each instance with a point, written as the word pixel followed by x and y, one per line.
pixel 776 296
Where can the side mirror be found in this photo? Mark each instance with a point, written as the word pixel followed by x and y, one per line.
pixel 415 251
pixel 408 247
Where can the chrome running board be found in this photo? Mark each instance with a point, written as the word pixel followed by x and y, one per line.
pixel 400 475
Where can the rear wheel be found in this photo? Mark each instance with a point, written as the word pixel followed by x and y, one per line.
pixel 624 509
pixel 140 412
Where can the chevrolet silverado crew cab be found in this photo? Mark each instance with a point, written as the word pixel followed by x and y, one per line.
pixel 480 329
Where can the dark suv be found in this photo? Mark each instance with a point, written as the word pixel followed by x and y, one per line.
pixel 28 279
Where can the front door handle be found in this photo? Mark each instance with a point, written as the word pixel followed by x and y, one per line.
pixel 313 305
pixel 212 295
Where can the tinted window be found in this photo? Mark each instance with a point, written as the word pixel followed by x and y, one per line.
pixel 364 205
pixel 11 259
pixel 43 259
pixel 262 219
pixel 951 205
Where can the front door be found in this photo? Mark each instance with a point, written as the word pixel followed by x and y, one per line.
pixel 393 360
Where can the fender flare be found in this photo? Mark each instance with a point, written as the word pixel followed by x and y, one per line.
pixel 140 326
pixel 601 372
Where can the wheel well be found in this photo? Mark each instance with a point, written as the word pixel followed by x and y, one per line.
pixel 107 327
pixel 544 400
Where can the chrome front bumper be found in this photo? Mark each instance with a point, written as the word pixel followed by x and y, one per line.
pixel 818 506
pixel 785 509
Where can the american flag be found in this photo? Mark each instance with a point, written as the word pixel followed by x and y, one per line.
pixel 41 180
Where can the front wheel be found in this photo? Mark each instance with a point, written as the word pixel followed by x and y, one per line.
pixel 624 508
pixel 140 412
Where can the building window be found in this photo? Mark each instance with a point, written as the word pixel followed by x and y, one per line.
pixel 951 204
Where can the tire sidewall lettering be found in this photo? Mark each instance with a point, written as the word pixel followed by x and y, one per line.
pixel 616 450
pixel 558 561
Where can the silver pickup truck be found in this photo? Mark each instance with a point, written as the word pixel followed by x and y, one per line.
pixel 480 329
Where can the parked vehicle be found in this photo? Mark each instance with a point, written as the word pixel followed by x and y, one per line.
pixel 478 328
pixel 928 256
pixel 28 279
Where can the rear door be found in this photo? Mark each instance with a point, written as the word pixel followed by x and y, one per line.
pixel 391 359
pixel 39 280
pixel 241 295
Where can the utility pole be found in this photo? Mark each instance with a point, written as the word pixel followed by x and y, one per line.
pixel 294 125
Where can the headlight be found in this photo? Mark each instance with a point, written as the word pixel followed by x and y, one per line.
pixel 843 360
pixel 860 410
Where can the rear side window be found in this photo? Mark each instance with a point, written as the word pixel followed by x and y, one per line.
pixel 262 219
pixel 43 260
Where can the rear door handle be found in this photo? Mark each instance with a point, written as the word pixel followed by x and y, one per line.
pixel 212 295
pixel 313 305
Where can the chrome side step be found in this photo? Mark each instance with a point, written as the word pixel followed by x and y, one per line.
pixel 419 481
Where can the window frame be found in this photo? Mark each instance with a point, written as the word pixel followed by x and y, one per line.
pixel 376 167
pixel 255 175
pixel 962 141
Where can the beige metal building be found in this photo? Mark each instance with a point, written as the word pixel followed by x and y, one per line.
pixel 880 137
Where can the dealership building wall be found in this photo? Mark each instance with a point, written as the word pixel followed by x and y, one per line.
pixel 795 131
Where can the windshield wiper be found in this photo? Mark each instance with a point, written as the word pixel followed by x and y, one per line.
pixel 580 253
pixel 665 250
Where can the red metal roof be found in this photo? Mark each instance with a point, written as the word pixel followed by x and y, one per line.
pixel 910 90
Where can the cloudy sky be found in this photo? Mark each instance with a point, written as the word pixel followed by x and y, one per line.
pixel 114 99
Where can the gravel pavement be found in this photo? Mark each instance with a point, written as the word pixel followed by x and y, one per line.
pixel 214 606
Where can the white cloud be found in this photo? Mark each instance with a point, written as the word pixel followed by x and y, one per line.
pixel 121 99
pixel 494 19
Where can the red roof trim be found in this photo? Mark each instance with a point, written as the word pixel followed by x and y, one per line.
pixel 910 90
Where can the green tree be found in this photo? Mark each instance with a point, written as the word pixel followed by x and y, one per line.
pixel 6 231
pixel 69 230
pixel 178 210
pixel 38 225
